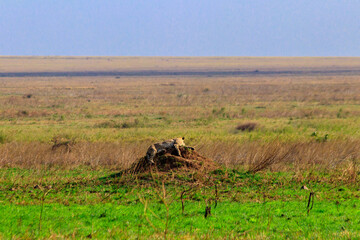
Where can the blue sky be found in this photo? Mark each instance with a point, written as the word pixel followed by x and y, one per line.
pixel 180 28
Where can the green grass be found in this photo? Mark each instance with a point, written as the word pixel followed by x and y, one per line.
pixel 283 129
pixel 276 219
pixel 79 204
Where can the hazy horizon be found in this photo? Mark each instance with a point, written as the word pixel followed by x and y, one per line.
pixel 180 28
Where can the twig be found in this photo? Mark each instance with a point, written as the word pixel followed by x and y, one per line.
pixel 310 201
pixel 216 196
pixel 207 211
pixel 182 198
pixel 143 201
pixel 42 208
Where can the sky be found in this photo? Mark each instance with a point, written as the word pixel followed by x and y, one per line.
pixel 180 27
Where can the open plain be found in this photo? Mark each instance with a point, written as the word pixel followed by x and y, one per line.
pixel 273 124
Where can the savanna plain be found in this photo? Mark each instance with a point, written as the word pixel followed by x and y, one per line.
pixel 284 131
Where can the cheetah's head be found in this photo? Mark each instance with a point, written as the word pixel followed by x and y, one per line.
pixel 180 141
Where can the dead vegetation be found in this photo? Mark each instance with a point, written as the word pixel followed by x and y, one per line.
pixel 254 156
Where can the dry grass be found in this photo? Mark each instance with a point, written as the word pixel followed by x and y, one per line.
pixel 254 156
pixel 94 155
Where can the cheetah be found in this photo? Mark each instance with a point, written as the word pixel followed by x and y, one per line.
pixel 166 146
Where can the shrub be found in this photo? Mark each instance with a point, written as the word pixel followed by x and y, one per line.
pixel 249 126
pixel 22 113
pixel 206 90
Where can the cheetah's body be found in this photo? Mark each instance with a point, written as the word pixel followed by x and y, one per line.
pixel 171 145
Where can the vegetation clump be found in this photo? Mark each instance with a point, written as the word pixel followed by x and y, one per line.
pixel 62 142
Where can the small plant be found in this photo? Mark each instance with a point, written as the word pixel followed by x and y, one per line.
pixel 339 113
pixel 205 90
pixel 60 141
pixel 3 138
pixel 319 138
pixel 23 113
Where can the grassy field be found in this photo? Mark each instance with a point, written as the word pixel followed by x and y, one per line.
pixel 304 116
pixel 75 204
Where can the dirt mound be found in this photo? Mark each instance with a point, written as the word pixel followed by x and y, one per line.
pixel 189 160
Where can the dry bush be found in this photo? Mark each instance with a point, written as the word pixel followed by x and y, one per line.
pixel 249 126
pixel 270 155
pixel 279 156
